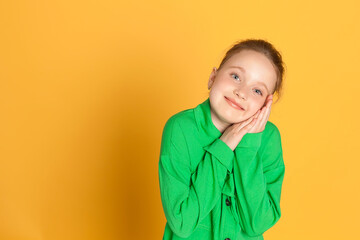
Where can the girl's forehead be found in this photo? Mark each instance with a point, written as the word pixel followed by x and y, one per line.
pixel 251 62
pixel 248 57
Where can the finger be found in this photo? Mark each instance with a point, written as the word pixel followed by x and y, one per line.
pixel 260 115
pixel 257 114
pixel 251 125
pixel 244 123
pixel 266 115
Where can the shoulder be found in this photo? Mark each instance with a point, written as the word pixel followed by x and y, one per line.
pixel 182 116
pixel 270 126
pixel 179 123
pixel 272 153
pixel 271 131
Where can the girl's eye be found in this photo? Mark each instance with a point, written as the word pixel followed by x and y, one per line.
pixel 259 91
pixel 236 76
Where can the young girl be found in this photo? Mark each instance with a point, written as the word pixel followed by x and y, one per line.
pixel 221 164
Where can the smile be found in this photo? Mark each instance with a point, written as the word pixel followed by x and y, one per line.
pixel 233 104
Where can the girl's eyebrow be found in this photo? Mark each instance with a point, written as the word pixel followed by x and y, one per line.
pixel 242 69
pixel 264 86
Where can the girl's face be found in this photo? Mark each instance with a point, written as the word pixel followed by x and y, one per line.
pixel 247 78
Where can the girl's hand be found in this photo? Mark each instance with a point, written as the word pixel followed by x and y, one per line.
pixel 235 132
pixel 261 121
pixel 256 123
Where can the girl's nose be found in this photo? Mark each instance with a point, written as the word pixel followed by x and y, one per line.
pixel 240 93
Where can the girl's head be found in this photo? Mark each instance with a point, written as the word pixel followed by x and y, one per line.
pixel 250 71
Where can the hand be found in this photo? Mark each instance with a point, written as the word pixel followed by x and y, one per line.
pixel 256 123
pixel 235 132
pixel 263 116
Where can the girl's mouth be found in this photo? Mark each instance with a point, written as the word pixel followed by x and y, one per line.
pixel 233 104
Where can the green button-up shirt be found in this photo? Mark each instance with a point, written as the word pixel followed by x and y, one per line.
pixel 209 191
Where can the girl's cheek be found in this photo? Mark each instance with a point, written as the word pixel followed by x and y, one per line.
pixel 263 103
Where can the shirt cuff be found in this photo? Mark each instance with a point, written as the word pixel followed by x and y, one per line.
pixel 222 152
pixel 251 140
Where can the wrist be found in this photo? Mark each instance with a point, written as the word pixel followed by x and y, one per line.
pixel 251 140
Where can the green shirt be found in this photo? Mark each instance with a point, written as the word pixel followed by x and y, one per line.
pixel 209 191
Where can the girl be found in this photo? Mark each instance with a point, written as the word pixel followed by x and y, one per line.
pixel 221 164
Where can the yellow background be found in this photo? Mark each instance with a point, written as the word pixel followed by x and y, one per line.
pixel 87 86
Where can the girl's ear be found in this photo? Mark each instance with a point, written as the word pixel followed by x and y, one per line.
pixel 212 78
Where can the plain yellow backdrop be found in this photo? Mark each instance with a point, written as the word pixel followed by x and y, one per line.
pixel 87 86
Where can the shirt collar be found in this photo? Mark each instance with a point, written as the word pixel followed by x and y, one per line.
pixel 207 130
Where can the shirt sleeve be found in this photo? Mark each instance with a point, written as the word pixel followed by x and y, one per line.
pixel 187 197
pixel 258 178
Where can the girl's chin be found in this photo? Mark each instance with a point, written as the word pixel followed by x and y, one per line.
pixel 235 120
pixel 239 121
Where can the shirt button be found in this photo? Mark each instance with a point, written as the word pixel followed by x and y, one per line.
pixel 227 203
